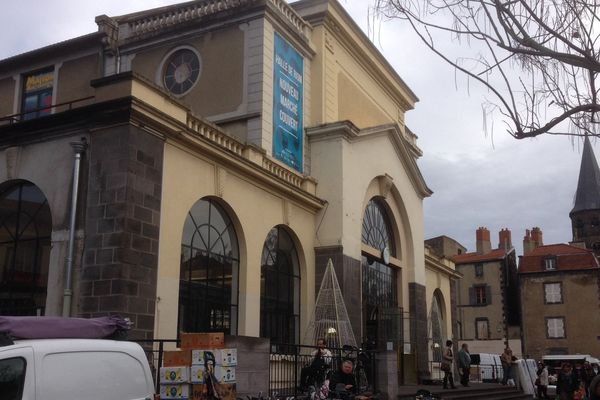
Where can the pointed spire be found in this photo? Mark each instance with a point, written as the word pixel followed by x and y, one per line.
pixel 587 196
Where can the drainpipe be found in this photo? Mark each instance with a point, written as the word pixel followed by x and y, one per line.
pixel 79 149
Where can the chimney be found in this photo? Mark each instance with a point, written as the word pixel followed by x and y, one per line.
pixel 482 242
pixel 505 240
pixel 536 236
pixel 532 239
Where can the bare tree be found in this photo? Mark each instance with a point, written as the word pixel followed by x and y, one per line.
pixel 539 58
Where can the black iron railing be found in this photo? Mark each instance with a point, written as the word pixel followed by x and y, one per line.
pixel 32 114
pixel 287 362
pixel 154 349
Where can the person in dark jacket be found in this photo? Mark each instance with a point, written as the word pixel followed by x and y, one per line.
pixel 567 383
pixel 595 388
pixel 464 364
pixel 447 365
pixel 343 376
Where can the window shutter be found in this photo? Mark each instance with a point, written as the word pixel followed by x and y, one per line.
pixel 488 294
pixel 472 296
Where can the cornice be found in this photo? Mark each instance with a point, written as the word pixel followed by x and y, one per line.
pixel 349 132
pixel 437 265
pixel 332 15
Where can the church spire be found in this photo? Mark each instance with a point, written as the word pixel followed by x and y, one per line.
pixel 587 196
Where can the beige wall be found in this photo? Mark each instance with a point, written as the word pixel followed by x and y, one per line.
pixel 49 166
pixel 188 177
pixel 344 89
pixel 467 314
pixel 579 308
pixel 348 173
pixel 74 78
pixel 7 95
pixel 220 86
pixel 439 280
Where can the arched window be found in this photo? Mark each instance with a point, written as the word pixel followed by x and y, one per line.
pixel 25 231
pixel 208 286
pixel 437 331
pixel 280 288
pixel 379 280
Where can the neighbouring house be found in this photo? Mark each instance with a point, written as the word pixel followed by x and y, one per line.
pixel 559 300
pixel 194 167
pixel 487 294
pixel 560 283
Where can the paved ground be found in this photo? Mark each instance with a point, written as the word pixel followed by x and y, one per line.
pixel 407 390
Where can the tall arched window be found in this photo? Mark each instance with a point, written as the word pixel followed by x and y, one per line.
pixel 208 286
pixel 25 231
pixel 379 280
pixel 280 288
pixel 437 331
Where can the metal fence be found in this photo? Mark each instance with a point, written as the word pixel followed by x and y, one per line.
pixel 154 349
pixel 286 364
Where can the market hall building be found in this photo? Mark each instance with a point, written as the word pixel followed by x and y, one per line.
pixel 194 167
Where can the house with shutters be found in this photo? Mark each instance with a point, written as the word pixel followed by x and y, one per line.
pixel 487 295
pixel 560 283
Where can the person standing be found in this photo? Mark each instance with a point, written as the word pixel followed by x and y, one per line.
pixel 567 383
pixel 506 359
pixel 447 362
pixel 464 364
pixel 542 381
pixel 314 373
pixel 594 388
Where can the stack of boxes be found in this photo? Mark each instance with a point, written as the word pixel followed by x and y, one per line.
pixel 201 368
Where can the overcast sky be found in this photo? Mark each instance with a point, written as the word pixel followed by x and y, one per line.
pixel 478 179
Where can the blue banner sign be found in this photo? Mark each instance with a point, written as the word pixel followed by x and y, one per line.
pixel 287 104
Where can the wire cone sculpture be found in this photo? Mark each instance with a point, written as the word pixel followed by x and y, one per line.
pixel 330 318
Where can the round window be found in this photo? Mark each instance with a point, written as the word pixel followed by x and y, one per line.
pixel 181 71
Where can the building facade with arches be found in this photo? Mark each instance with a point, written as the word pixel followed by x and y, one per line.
pixel 193 167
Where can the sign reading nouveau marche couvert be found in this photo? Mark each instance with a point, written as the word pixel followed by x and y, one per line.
pixel 287 104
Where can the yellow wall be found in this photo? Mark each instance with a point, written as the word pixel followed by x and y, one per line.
pixel 579 292
pixel 220 86
pixel 74 78
pixel 254 209
pixel 7 94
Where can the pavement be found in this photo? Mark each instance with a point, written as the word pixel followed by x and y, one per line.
pixel 410 390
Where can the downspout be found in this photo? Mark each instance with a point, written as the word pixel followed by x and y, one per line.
pixel 79 149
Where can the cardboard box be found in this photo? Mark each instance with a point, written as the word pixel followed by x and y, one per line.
pixel 226 357
pixel 180 391
pixel 177 358
pixel 174 375
pixel 227 391
pixel 224 374
pixel 198 356
pixel 215 340
pixel 197 374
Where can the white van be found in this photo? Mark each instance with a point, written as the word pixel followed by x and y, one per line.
pixel 487 367
pixel 82 369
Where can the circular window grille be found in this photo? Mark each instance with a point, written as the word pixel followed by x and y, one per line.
pixel 181 71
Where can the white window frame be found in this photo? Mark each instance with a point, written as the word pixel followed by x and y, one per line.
pixel 553 293
pixel 550 264
pixel 555 328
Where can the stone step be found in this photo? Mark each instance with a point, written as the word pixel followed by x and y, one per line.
pixel 487 392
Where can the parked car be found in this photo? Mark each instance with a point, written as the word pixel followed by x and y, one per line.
pixel 487 366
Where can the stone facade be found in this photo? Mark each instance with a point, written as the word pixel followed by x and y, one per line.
pixel 122 224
